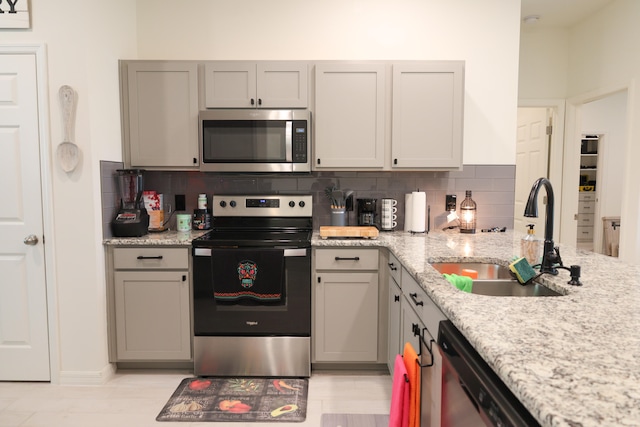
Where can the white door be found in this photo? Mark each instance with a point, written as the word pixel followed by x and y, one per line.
pixel 532 157
pixel 24 339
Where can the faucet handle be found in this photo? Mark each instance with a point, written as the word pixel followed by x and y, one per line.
pixel 557 259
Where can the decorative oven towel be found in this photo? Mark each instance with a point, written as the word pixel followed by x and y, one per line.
pixel 412 364
pixel 399 413
pixel 247 273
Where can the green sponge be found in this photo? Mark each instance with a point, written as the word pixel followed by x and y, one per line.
pixel 523 271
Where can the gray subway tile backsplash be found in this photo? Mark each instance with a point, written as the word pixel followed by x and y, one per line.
pixel 493 189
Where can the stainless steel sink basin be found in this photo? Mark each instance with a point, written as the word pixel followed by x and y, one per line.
pixel 494 280
pixel 485 271
pixel 511 288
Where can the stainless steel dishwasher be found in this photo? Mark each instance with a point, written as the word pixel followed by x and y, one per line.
pixel 472 394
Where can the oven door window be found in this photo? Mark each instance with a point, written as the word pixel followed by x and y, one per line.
pixel 246 141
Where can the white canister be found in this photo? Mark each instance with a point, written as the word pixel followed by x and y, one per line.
pixel 202 201
pixel 183 222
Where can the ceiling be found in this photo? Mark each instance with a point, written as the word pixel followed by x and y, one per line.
pixel 560 13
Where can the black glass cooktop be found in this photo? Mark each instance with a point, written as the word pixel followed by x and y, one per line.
pixel 258 238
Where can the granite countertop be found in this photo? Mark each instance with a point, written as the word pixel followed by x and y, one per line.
pixel 164 238
pixel 572 360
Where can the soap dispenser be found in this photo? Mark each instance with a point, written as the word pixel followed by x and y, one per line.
pixel 531 247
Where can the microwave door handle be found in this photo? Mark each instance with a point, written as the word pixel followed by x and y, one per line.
pixel 288 141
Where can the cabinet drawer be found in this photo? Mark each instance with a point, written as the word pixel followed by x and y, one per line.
pixel 347 259
pixel 585 220
pixel 586 196
pixel 585 233
pixel 586 207
pixel 395 268
pixel 426 309
pixel 150 258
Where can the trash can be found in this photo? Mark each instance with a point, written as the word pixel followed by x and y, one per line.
pixel 611 240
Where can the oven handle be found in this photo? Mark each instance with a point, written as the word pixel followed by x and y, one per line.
pixel 206 252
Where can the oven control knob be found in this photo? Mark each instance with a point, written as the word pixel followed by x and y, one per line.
pixel 232 203
pixel 301 203
pixel 223 204
pixel 292 204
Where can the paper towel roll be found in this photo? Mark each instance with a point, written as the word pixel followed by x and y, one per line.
pixel 408 211
pixel 418 211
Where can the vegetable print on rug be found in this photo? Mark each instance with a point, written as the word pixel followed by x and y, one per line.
pixel 238 400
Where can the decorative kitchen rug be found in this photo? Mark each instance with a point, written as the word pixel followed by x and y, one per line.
pixel 238 400
pixel 354 420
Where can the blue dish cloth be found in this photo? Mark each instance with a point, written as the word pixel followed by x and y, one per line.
pixel 463 283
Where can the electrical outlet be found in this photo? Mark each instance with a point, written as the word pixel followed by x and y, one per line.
pixel 180 203
pixel 450 204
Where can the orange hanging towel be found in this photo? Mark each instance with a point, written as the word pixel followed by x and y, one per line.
pixel 411 363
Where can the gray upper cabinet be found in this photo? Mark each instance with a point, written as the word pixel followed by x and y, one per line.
pixel 349 115
pixel 160 114
pixel 250 84
pixel 427 119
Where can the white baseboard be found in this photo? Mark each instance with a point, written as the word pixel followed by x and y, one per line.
pixel 88 377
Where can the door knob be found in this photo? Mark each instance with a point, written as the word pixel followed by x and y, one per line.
pixel 31 240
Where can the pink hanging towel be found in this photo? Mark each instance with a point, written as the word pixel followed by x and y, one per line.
pixel 399 414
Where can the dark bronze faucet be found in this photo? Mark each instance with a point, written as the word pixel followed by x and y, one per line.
pixel 550 255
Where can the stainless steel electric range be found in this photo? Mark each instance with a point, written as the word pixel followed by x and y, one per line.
pixel 252 288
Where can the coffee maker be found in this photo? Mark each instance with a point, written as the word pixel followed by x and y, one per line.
pixel 132 219
pixel 367 211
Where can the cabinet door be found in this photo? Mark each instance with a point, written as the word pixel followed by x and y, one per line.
pixel 163 114
pixel 346 317
pixel 230 84
pixel 152 315
pixel 349 116
pixel 394 337
pixel 410 325
pixel 427 115
pixel 282 84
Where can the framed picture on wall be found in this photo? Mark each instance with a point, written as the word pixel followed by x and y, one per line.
pixel 14 14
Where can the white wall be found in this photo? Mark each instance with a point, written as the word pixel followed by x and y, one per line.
pixel 604 54
pixel 544 63
pixel 84 41
pixel 360 29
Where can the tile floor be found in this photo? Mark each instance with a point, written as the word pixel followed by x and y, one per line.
pixel 134 399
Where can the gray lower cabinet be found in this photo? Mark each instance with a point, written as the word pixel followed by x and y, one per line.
pixel 345 305
pixel 419 321
pixel 150 300
pixel 394 337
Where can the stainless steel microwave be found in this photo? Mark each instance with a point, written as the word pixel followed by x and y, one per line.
pixel 255 140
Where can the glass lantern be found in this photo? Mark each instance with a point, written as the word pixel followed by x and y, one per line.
pixel 468 214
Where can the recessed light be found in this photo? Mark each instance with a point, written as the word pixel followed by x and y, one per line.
pixel 531 19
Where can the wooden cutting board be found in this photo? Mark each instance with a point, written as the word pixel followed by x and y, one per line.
pixel 366 232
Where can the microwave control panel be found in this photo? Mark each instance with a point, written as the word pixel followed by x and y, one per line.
pixel 299 141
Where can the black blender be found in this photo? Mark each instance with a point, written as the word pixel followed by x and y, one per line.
pixel 132 219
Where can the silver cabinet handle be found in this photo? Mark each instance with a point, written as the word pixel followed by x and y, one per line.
pixel 31 240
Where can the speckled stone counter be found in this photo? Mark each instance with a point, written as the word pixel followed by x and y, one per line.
pixel 165 238
pixel 572 360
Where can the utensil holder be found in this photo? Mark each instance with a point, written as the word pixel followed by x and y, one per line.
pixel 338 217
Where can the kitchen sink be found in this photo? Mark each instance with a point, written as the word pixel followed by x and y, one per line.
pixel 511 288
pixel 495 280
pixel 485 270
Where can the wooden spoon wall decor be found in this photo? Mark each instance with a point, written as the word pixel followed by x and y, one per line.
pixel 67 151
